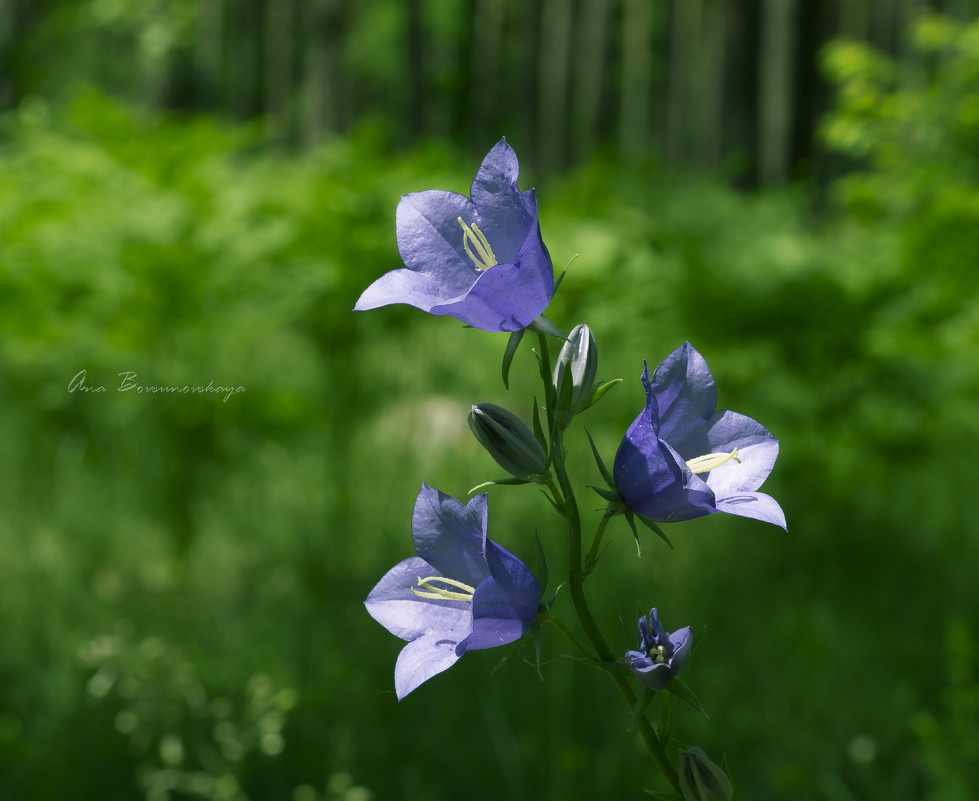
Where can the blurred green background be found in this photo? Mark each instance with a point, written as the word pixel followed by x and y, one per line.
pixel 198 192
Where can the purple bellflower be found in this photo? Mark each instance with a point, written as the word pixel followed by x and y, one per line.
pixel 463 592
pixel 661 655
pixel 482 260
pixel 682 459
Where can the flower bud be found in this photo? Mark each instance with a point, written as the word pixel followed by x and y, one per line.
pixel 577 362
pixel 701 779
pixel 508 440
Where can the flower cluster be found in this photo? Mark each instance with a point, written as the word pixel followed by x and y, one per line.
pixel 482 260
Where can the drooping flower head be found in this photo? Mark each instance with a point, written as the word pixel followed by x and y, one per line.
pixel 463 592
pixel 661 655
pixel 483 261
pixel 681 458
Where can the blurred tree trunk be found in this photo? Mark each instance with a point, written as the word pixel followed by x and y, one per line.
pixel 589 64
pixel 324 99
pixel 278 69
pixel 555 55
pixel 775 89
pixel 637 70
pixel 486 69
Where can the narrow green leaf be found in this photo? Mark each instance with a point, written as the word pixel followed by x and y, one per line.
pixel 503 481
pixel 541 564
pixel 511 349
pixel 538 646
pixel 685 694
pixel 539 429
pixel 564 272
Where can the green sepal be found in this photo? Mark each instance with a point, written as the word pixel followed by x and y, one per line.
pixel 646 697
pixel 630 518
pixel 600 391
pixel 511 481
pixel 541 564
pixel 606 475
pixel 544 326
pixel 609 495
pixel 656 529
pixel 685 694
pixel 511 349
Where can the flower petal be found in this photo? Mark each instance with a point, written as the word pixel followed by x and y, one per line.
pixel 422 659
pixel 682 642
pixel 408 616
pixel 505 604
pixel 686 396
pixel 505 213
pixel 653 675
pixel 403 286
pixel 509 296
pixel 658 485
pixel 430 238
pixel 450 536
pixel 757 450
pixel 757 505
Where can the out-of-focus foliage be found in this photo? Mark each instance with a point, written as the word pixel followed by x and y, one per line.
pixel 182 576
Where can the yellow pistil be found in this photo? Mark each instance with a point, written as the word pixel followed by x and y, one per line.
pixel 441 593
pixel 472 238
pixel 711 460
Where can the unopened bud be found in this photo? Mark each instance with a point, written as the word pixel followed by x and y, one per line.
pixel 577 362
pixel 508 440
pixel 701 779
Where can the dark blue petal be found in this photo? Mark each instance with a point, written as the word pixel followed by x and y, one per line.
pixel 686 396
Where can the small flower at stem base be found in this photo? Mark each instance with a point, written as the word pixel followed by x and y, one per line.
pixel 661 655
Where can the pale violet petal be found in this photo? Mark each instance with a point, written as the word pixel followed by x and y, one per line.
pixel 422 659
pixel 408 616
pixel 757 450
pixel 756 505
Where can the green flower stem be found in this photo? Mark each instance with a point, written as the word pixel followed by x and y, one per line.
pixel 576 580
pixel 592 558
pixel 569 635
